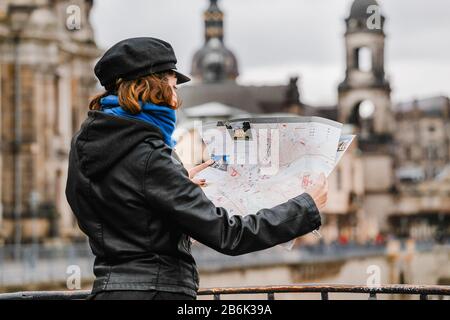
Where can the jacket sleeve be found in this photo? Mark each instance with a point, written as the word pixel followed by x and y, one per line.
pixel 169 190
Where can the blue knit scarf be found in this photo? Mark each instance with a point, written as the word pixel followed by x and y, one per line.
pixel 162 117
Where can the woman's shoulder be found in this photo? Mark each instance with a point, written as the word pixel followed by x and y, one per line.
pixel 155 148
pixel 155 143
pixel 159 154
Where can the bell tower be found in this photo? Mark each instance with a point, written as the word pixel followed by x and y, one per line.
pixel 364 102
pixel 364 95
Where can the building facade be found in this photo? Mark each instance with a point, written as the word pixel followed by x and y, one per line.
pixel 396 145
pixel 394 179
pixel 47 50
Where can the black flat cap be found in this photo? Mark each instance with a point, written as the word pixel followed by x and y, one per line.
pixel 136 57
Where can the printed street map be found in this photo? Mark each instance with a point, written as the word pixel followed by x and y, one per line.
pixel 263 162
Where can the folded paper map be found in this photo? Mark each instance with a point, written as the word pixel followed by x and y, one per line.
pixel 263 162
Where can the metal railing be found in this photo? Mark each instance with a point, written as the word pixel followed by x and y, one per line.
pixel 422 291
pixel 324 290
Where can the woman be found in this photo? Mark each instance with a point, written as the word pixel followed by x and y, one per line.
pixel 134 199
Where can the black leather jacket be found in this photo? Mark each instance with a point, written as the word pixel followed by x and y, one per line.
pixel 136 203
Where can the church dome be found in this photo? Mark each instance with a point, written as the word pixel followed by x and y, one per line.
pixel 361 20
pixel 359 8
pixel 214 62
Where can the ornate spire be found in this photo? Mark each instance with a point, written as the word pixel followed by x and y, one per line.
pixel 213 17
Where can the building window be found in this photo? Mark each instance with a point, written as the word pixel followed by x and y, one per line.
pixel 74 120
pixel 366 109
pixel 362 117
pixel 56 88
pixel 363 59
pixel 432 153
pixel 339 179
pixel 408 153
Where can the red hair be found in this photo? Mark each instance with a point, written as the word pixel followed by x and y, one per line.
pixel 153 88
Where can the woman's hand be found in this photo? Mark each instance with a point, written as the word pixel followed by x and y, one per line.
pixel 319 192
pixel 193 171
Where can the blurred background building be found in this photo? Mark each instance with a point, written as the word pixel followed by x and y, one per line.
pixel 397 145
pixel 389 198
pixel 45 81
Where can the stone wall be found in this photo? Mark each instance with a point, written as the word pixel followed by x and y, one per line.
pixel 46 81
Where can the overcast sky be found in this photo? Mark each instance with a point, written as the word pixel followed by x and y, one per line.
pixel 275 39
